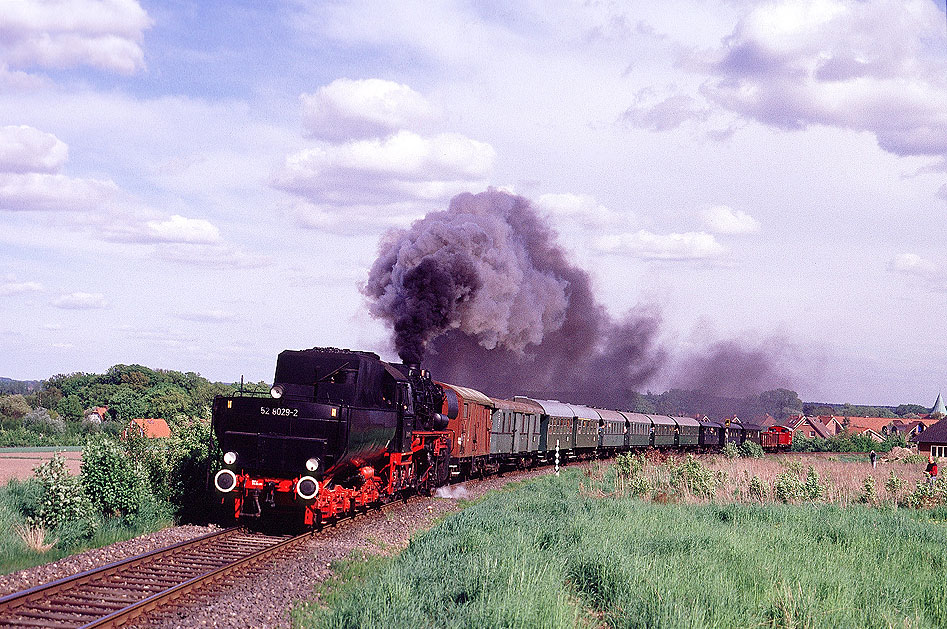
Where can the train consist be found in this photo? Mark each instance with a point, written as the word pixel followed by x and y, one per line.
pixel 342 430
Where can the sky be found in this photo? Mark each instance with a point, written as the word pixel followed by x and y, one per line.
pixel 198 186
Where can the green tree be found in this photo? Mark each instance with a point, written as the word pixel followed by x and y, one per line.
pixel 70 407
pixel 128 404
pixel 781 403
pixel 14 406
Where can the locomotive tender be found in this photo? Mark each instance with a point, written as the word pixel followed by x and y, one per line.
pixel 343 429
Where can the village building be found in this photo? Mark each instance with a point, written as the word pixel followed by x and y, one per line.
pixel 932 441
pixel 810 427
pixel 97 414
pixel 148 428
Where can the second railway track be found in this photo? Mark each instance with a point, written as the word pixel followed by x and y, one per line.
pixel 117 593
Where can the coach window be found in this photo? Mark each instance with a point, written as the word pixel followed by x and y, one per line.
pixel 466 411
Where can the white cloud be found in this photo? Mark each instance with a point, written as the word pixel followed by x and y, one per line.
pixel 53 193
pixel 184 230
pixel 29 179
pixel 651 246
pixel 349 109
pixel 219 256
pixel 105 34
pixel 662 112
pixel 81 301
pixel 933 273
pixel 868 66
pixel 581 208
pixel 24 149
pixel 208 316
pixel 351 220
pixel 16 288
pixel 722 219
pixel 405 165
pixel 913 264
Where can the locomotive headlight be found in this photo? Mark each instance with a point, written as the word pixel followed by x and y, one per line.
pixel 230 458
pixel 307 488
pixel 277 391
pixel 312 464
pixel 225 481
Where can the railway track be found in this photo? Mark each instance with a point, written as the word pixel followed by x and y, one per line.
pixel 115 594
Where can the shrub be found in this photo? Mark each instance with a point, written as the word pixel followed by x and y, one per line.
pixel 64 505
pixel 152 457
pixel 751 450
pixel 813 489
pixel 192 455
pixel 757 489
pixel 39 420
pixel 893 484
pixel 691 475
pixel 914 459
pixel 731 451
pixel 787 487
pixel 114 482
pixel 868 491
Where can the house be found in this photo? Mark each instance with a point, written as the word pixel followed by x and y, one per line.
pixel 911 427
pixel 97 414
pixel 149 428
pixel 932 441
pixel 807 427
pixel 833 425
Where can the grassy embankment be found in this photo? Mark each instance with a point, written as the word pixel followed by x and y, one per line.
pixel 583 550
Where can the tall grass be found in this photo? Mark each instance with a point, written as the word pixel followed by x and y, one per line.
pixel 555 554
pixel 17 547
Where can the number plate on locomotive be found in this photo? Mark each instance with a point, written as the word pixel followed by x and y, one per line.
pixel 279 411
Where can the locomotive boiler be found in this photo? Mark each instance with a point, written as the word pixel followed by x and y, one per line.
pixel 340 429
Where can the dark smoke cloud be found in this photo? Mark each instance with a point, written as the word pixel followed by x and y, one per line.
pixel 733 369
pixel 483 293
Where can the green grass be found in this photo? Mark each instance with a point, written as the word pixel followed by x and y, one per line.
pixel 545 555
pixel 14 553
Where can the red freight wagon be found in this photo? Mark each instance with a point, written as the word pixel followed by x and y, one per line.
pixel 471 427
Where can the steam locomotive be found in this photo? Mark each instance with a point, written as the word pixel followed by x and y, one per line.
pixel 342 430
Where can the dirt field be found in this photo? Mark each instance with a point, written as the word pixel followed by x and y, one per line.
pixel 21 464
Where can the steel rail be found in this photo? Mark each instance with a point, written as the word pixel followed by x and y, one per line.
pixel 113 594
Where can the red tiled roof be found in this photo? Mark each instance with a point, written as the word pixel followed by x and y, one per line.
pixel 151 428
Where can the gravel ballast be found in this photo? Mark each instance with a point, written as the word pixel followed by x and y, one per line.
pixel 262 598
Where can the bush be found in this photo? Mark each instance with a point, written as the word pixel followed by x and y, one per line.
pixel 787 487
pixel 114 481
pixel 152 457
pixel 751 450
pixel 757 489
pixel 39 420
pixel 731 451
pixel 868 491
pixel 893 484
pixel 691 475
pixel 813 489
pixel 64 504
pixel 192 456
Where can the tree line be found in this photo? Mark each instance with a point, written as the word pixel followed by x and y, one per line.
pixel 60 410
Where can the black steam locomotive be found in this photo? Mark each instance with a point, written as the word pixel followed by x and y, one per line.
pixel 339 429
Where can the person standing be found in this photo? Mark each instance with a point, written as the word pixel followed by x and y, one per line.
pixel 873 458
pixel 931 470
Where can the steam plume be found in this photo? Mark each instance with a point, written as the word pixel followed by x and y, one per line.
pixel 484 290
